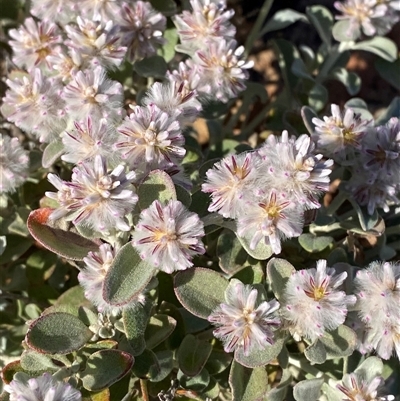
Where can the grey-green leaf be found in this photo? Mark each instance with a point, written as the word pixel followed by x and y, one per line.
pixel 322 20
pixel 52 152
pixel 340 342
pixel 200 290
pixel 316 352
pixel 192 355
pixel 282 19
pixel 279 271
pixel 57 333
pixel 261 251
pixel 104 368
pixel 382 47
pixel 159 328
pixel 308 390
pixel 313 243
pixel 154 66
pixel 127 276
pixel 247 384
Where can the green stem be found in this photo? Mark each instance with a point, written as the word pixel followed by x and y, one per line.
pixel 345 365
pixel 257 26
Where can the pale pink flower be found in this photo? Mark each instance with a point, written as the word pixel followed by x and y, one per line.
pixel 14 164
pixel 88 139
pixel 339 135
pixel 168 236
pixel 150 136
pixel 357 388
pixel 33 42
pixel 232 182
pixel 243 322
pixel 312 302
pixel 271 220
pixel 62 11
pixel 373 17
pixel 292 165
pixel 142 28
pixel 64 65
pixel 207 22
pixel 224 69
pixel 378 293
pixel 33 103
pixel 95 198
pixel 92 94
pixel 177 100
pixel 98 43
pixel 41 388
pixel 99 10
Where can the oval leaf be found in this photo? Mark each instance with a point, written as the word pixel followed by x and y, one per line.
pixel 157 186
pixel 127 276
pixel 261 252
pixel 192 355
pixel 63 243
pixel 53 151
pixel 340 342
pixel 232 257
pixel 104 368
pixel 279 271
pixel 159 328
pixel 308 390
pixel 382 47
pixel 57 333
pixel 312 243
pixel 154 66
pixel 200 290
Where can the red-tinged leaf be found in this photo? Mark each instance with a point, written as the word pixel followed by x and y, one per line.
pixel 64 243
pixel 9 370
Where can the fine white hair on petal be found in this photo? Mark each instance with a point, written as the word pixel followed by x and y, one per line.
pixel 14 164
pixel 244 323
pixel 232 183
pixel 291 165
pixel 313 304
pixel 168 236
pixel 95 198
pixel 175 99
pixel 45 387
pixel 91 93
pixel 271 220
pixel 33 103
pixel 150 136
pixel 378 293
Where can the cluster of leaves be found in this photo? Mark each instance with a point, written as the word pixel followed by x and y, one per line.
pixel 165 348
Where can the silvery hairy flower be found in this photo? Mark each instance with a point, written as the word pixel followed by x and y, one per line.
pixel 142 28
pixel 92 94
pixel 42 388
pixel 95 198
pixel 224 69
pixel 231 182
pixel 378 293
pixel 33 43
pixel 373 17
pixel 99 10
pixel 97 42
pixel 14 164
pixel 339 135
pixel 373 191
pixel 245 322
pixel 150 136
pixel 168 236
pixel 88 139
pixel 271 220
pixel 92 276
pixel 65 64
pixel 357 388
pixel 381 151
pixel 62 11
pixel 207 22
pixel 312 302
pixel 293 166
pixel 33 104
pixel 174 99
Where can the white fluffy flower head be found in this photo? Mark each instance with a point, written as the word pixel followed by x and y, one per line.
pixel 313 304
pixel 245 322
pixel 169 236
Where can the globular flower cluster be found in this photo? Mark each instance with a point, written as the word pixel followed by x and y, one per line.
pixel 378 300
pixel 216 68
pixel 95 197
pixel 372 17
pixel 14 164
pixel 268 190
pixel 243 322
pixel 313 302
pixel 168 236
pixel 371 153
